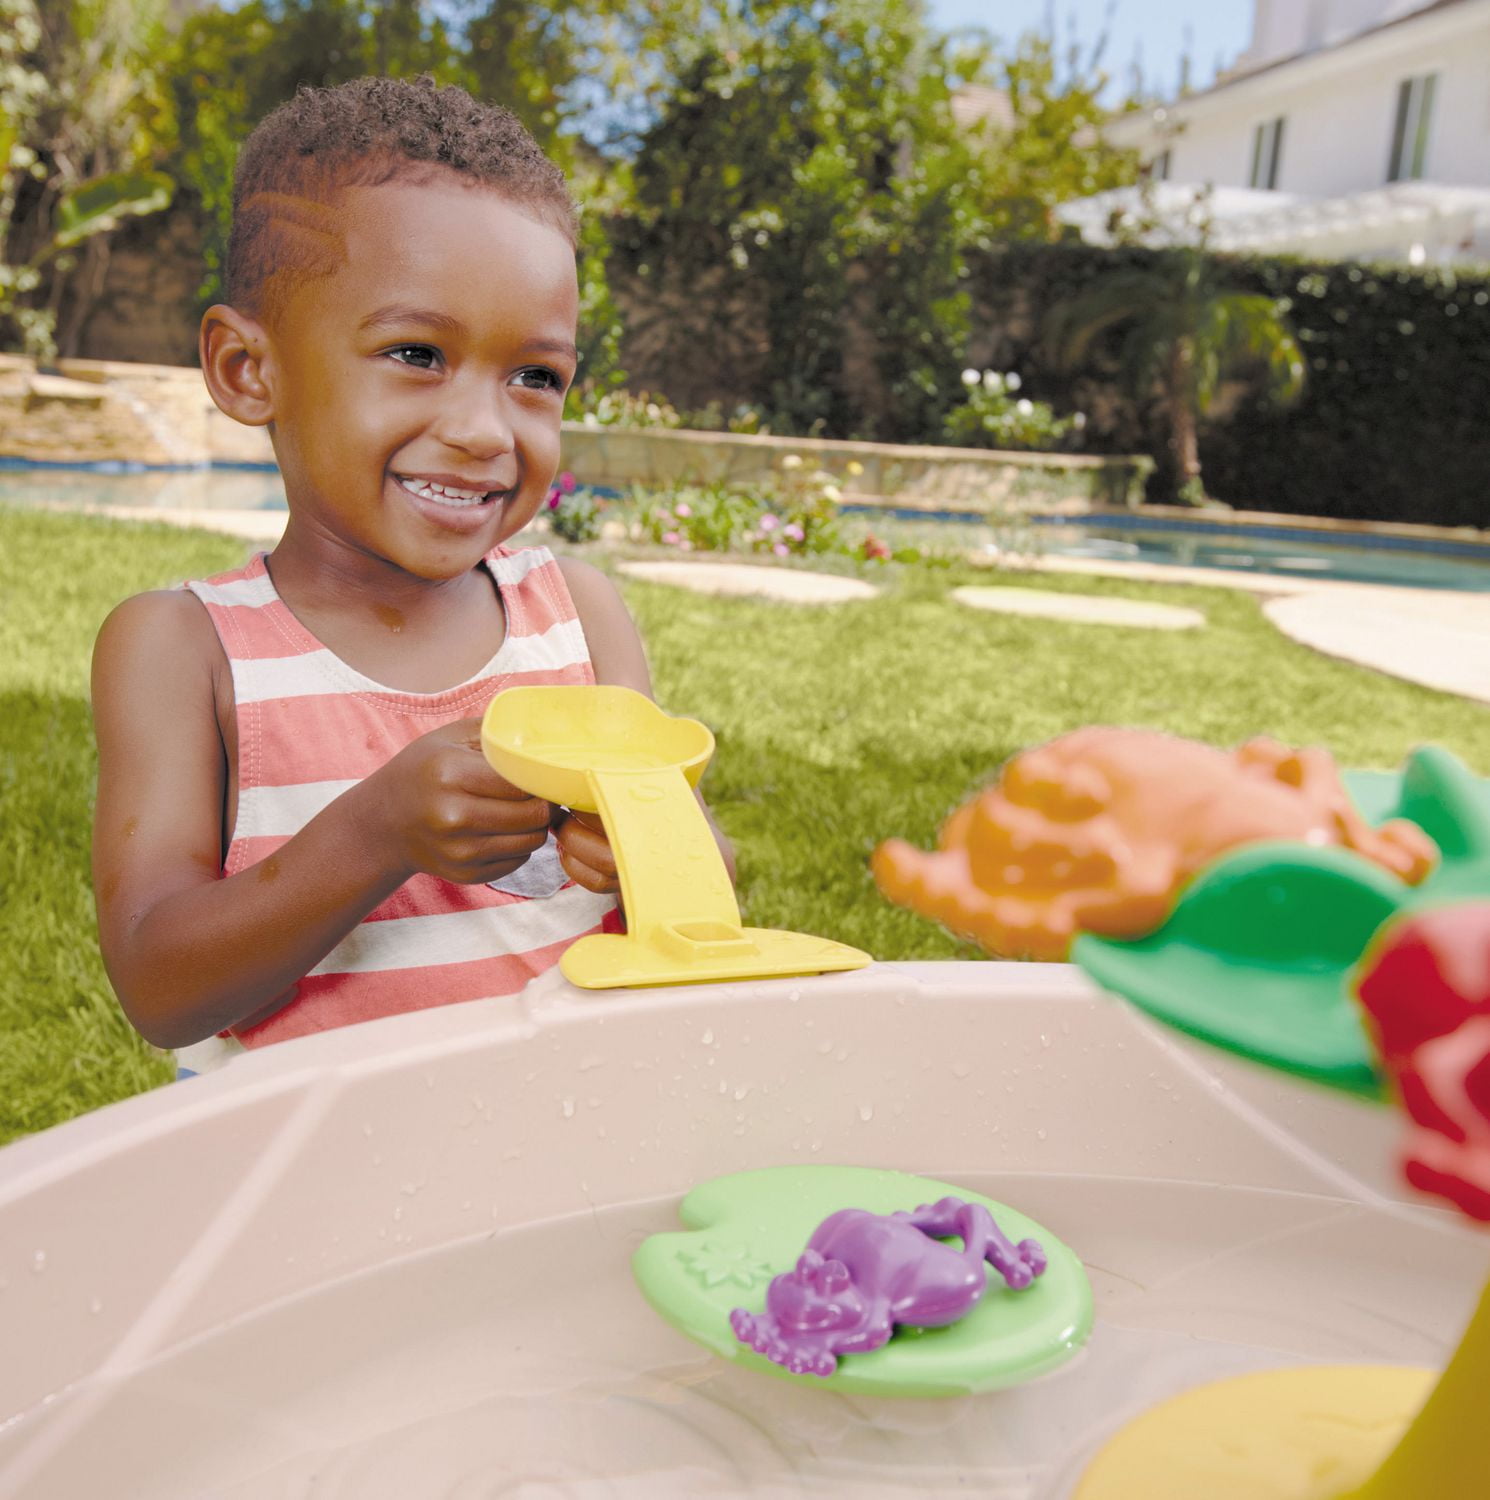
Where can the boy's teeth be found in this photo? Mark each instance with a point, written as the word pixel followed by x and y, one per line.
pixel 427 489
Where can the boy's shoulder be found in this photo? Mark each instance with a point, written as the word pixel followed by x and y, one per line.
pixel 166 630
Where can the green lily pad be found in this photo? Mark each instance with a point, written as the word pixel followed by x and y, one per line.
pixel 744 1229
pixel 1258 954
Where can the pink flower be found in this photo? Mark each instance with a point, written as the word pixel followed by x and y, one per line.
pixel 567 482
pixel 781 549
pixel 683 508
pixel 793 532
pixel 686 545
pixel 553 499
pixel 672 538
pixel 769 522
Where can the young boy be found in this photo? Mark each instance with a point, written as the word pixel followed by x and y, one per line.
pixel 296 828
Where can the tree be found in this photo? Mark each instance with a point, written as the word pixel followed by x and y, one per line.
pixel 81 119
pixel 1177 326
pixel 1053 150
pixel 228 68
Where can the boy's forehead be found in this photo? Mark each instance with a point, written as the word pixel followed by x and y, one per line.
pixel 437 237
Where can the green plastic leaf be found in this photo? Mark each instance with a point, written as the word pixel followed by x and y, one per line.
pixel 1259 952
pixel 743 1229
pixel 98 204
pixel 1255 956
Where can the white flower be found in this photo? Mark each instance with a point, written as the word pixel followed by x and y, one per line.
pixel 591 420
pixel 1024 408
pixel 833 493
pixel 792 461
pixel 992 380
pixel 1013 381
pixel 1079 420
pixel 970 377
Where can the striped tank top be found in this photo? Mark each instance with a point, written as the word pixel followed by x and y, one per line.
pixel 310 727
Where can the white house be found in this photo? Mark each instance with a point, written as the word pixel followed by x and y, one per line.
pixel 1349 128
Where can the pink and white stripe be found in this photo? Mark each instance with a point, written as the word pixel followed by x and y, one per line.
pixel 310 726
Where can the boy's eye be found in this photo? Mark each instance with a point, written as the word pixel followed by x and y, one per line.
pixel 538 378
pixel 424 357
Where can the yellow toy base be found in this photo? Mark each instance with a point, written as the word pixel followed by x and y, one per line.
pixel 1302 1434
pixel 695 952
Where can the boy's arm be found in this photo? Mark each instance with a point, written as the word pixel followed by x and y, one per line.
pixel 190 952
pixel 619 660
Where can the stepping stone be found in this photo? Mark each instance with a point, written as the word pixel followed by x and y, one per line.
pixel 790 584
pixel 1084 609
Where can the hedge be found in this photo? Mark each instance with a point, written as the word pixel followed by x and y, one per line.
pixel 1394 422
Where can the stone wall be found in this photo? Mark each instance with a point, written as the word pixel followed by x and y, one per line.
pixel 912 476
pixel 95 411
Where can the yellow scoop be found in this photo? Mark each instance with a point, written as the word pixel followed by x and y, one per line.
pixel 613 751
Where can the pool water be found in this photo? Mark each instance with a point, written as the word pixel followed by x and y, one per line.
pixel 1248 550
pixel 525 1363
pixel 1404 562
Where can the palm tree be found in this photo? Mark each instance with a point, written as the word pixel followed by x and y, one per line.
pixel 1183 329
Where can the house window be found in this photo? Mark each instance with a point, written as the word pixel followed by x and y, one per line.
pixel 1410 133
pixel 1158 169
pixel 1267 154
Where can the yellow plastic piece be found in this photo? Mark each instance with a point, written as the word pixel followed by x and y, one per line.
pixel 1307 1434
pixel 613 751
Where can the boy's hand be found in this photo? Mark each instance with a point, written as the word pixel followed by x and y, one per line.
pixel 584 850
pixel 443 811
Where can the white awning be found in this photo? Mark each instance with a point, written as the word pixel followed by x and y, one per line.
pixel 1417 222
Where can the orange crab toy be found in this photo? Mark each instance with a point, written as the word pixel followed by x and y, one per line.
pixel 1099 831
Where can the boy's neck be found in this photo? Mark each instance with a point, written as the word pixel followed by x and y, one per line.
pixel 413 634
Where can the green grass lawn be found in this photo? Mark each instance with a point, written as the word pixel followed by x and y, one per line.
pixel 837 727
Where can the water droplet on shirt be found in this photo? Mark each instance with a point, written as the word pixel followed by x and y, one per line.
pixel 39 1261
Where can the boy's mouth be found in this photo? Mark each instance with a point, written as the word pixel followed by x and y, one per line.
pixel 439 493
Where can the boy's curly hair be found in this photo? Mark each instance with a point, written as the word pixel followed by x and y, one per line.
pixel 361 134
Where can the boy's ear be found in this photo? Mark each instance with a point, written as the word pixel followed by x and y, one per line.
pixel 233 348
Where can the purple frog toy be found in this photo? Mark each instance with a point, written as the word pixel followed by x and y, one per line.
pixel 862 1273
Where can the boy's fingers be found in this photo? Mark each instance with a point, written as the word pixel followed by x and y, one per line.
pixel 527 818
pixel 599 881
pixel 476 773
pixel 585 845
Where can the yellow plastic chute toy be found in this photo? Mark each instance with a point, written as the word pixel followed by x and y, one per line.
pixel 611 750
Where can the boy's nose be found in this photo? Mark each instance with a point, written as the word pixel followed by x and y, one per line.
pixel 478 422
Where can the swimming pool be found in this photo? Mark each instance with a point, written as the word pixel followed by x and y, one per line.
pixel 1299 552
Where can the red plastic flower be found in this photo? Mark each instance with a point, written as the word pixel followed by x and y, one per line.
pixel 1425 984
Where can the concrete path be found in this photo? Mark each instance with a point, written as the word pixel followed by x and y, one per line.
pixel 1439 638
pixel 764 581
pixel 1086 609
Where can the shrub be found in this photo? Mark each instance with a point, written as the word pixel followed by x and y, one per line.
pixel 621 408
pixel 792 514
pixel 575 514
pixel 994 415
